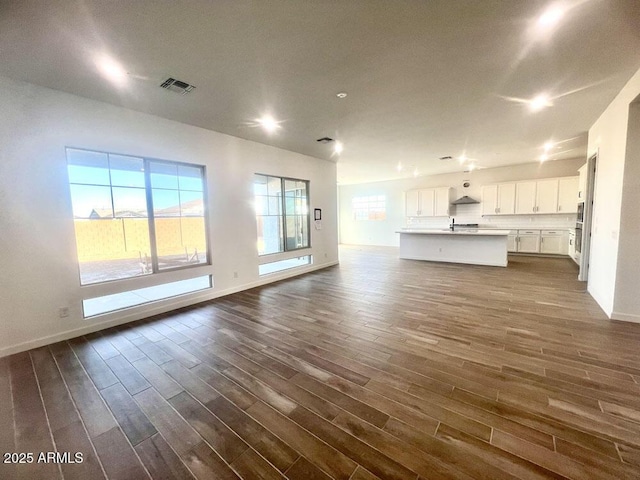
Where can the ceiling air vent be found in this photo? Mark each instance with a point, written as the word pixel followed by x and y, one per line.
pixel 446 157
pixel 325 140
pixel 177 86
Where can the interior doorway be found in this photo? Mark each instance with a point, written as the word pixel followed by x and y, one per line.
pixel 587 218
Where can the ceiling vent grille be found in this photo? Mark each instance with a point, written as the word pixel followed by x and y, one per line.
pixel 446 157
pixel 177 86
pixel 325 140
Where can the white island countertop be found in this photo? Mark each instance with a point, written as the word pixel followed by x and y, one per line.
pixel 447 231
pixel 465 245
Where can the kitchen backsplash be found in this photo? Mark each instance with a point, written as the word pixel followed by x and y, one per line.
pixel 473 214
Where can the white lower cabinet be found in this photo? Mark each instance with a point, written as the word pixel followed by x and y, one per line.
pixel 572 244
pixel 554 242
pixel 512 241
pixel 529 241
pixel 551 242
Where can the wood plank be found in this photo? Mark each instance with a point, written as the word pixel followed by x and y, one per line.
pixel 127 349
pixel 376 461
pixel 298 394
pixel 303 469
pixel 359 409
pixel 178 353
pixel 65 423
pixel 152 351
pixel 190 382
pixel 118 457
pixel 134 423
pixel 93 363
pixel 433 410
pixel 161 462
pixel 32 432
pixel 250 465
pixel 205 464
pixel 130 378
pixel 238 395
pixel 543 457
pixel 328 459
pixel 73 439
pixel 471 447
pixel 176 431
pixel 101 345
pixel 276 451
pixel 156 376
pixel 222 439
pixel 7 433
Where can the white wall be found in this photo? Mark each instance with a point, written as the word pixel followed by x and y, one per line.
pixel 627 298
pixel 39 270
pixel 383 232
pixel 608 137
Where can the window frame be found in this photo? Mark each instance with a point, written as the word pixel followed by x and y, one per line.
pixel 283 214
pixel 368 200
pixel 148 188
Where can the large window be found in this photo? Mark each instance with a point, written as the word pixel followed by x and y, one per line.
pixel 371 207
pixel 132 298
pixel 282 214
pixel 135 216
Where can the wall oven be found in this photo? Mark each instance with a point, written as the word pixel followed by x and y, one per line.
pixel 580 216
pixel 578 237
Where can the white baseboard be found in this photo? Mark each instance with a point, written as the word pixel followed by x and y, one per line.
pixel 151 309
pixel 625 317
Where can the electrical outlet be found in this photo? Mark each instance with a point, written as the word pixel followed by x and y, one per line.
pixel 235 274
pixel 63 312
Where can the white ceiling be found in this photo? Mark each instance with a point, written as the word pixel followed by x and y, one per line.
pixel 424 78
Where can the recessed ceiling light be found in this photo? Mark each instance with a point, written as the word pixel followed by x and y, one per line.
pixel 544 157
pixel 548 146
pixel 268 123
pixel 462 158
pixel 471 167
pixel 341 94
pixel 539 102
pixel 338 148
pixel 551 17
pixel 111 69
pixel 399 167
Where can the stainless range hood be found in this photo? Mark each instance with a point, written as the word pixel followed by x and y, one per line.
pixel 466 200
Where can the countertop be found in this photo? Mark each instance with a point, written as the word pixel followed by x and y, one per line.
pixel 461 231
pixel 521 227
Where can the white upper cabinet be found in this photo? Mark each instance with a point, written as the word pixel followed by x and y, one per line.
pixel 582 183
pixel 567 194
pixel 526 197
pixel 499 199
pixel 547 196
pixel 412 203
pixel 442 201
pixel 489 200
pixel 428 202
pixel 506 198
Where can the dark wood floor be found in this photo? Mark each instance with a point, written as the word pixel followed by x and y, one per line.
pixel 378 368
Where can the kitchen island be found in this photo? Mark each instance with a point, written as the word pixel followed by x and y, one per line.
pixel 473 246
